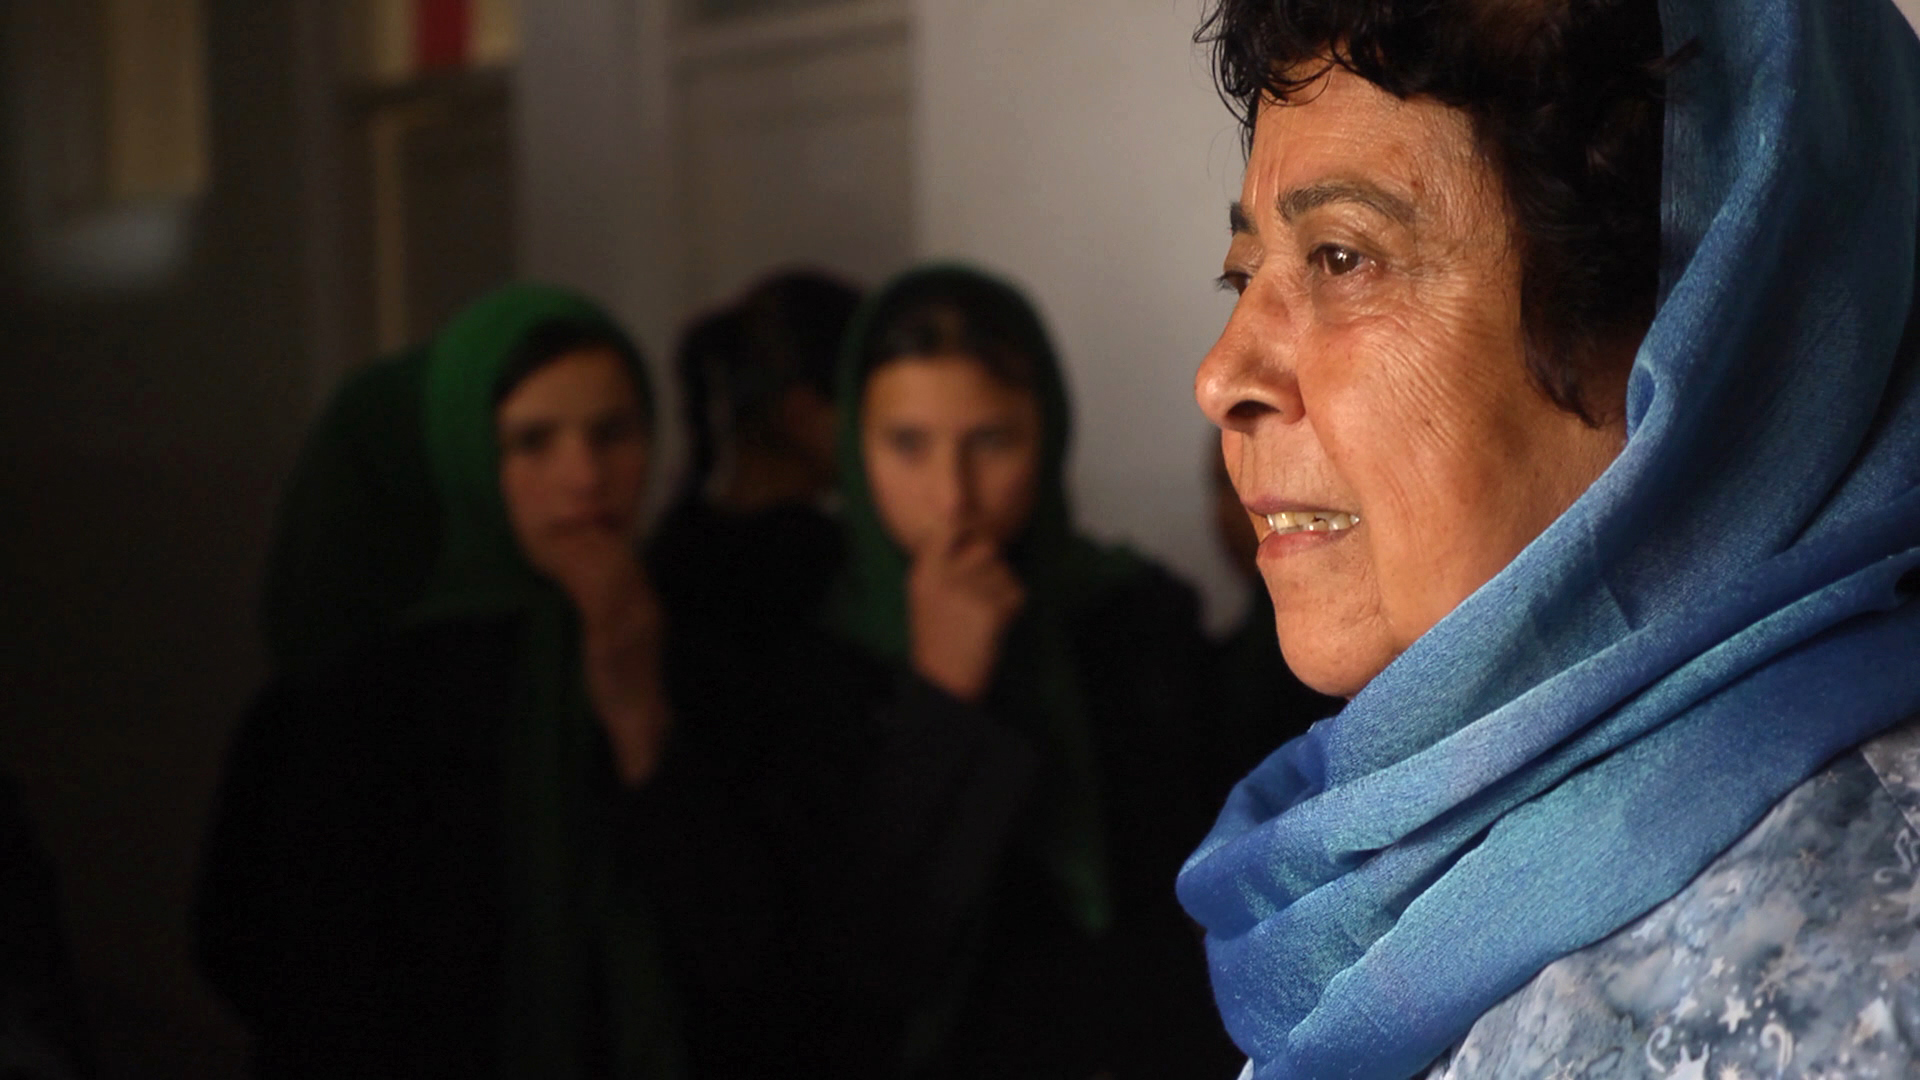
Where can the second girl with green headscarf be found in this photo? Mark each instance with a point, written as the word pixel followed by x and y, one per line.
pixel 977 608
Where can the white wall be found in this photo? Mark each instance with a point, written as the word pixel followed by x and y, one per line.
pixel 1081 149
pixel 594 184
pixel 816 107
pixel 588 111
pixel 646 151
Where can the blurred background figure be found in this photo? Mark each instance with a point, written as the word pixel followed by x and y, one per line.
pixel 1257 698
pixel 747 551
pixel 409 871
pixel 759 386
pixel 976 617
pixel 427 858
pixel 540 826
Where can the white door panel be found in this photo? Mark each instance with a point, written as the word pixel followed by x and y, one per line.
pixel 794 151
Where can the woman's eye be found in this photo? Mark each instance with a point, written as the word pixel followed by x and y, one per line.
pixel 1234 281
pixel 994 439
pixel 613 430
pixel 1334 260
pixel 910 444
pixel 528 443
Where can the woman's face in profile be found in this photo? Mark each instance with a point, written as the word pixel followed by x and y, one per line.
pixel 573 457
pixel 1377 416
pixel 951 452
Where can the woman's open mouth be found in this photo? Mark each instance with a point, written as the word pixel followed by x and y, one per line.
pixel 1293 521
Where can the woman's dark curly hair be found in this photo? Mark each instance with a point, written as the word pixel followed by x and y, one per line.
pixel 1565 102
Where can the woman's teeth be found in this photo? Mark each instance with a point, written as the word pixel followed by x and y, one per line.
pixel 1294 521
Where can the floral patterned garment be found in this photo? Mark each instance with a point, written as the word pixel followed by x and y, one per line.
pixel 1793 956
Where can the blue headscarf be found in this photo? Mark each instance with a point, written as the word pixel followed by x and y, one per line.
pixel 1732 604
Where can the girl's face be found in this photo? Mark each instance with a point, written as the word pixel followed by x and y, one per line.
pixel 951 452
pixel 573 455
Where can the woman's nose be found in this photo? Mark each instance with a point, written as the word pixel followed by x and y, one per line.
pixel 580 466
pixel 1248 375
pixel 955 492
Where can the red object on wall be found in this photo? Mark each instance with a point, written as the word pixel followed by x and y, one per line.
pixel 441 29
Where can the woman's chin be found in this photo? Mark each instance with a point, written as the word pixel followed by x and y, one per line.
pixel 1330 662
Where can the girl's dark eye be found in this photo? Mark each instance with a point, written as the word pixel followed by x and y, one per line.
pixel 528 441
pixel 994 439
pixel 614 429
pixel 1335 260
pixel 908 443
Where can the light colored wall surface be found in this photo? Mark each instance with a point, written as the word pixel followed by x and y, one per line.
pixel 593 182
pixel 793 151
pixel 661 167
pixel 592 194
pixel 1083 151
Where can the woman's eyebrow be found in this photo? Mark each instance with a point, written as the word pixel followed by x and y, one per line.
pixel 1238 221
pixel 1302 199
pixel 516 431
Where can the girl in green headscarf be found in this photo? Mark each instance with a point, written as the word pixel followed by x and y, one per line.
pixel 966 578
pixel 431 856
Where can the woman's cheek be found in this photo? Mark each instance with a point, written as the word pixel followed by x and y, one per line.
pixel 892 486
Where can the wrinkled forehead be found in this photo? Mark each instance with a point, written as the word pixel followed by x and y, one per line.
pixel 1348 142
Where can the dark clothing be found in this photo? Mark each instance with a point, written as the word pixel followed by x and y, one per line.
pixel 988 954
pixel 1257 699
pixel 42 1034
pixel 421 866
pixel 743 580
pixel 353 901
pixel 353 907
pixel 350 904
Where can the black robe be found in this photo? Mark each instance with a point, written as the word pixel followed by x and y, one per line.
pixel 743 579
pixel 352 902
pixel 834 847
pixel 971 946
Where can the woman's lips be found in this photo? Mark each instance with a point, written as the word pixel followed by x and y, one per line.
pixel 1320 521
pixel 1293 530
pixel 606 521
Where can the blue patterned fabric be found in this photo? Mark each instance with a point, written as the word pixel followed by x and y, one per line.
pixel 1795 953
pixel 1716 618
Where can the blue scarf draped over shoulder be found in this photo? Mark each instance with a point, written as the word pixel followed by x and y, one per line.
pixel 1731 605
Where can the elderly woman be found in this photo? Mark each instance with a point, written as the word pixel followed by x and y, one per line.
pixel 1574 387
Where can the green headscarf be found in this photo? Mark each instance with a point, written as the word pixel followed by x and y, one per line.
pixel 1037 686
pixel 577 917
pixel 358 526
